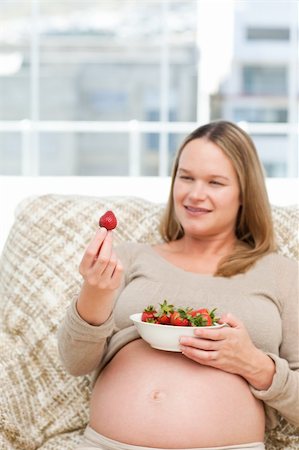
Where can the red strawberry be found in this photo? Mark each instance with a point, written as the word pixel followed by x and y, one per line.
pixel 202 317
pixel 207 319
pixel 148 314
pixel 199 320
pixel 164 313
pixel 179 318
pixel 108 221
pixel 196 312
pixel 163 319
pixel 203 311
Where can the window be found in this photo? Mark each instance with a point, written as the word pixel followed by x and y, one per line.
pixel 274 160
pixel 266 115
pixel 112 87
pixel 265 80
pixel 267 34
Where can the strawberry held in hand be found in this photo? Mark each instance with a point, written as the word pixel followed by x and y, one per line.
pixel 108 221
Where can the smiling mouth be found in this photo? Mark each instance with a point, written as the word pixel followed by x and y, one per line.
pixel 192 209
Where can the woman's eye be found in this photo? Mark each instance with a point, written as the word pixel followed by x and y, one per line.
pixel 217 183
pixel 185 177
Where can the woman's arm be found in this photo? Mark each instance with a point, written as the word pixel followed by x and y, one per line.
pixel 81 345
pixel 102 273
pixel 89 322
pixel 283 393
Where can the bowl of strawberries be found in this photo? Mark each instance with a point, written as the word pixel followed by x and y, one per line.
pixel 162 326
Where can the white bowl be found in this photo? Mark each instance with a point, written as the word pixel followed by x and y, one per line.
pixel 164 337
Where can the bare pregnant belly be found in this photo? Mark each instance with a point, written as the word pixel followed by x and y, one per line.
pixel 153 398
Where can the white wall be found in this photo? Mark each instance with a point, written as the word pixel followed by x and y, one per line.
pixel 14 189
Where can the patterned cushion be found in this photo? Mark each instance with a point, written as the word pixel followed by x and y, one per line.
pixel 42 407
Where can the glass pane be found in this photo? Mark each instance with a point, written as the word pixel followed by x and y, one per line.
pixel 273 153
pixel 183 88
pixel 175 141
pixel 10 154
pixel 260 114
pixel 84 154
pixel 58 154
pixel 101 60
pixel 149 160
pixel 256 84
pixel 97 61
pixel 261 80
pixel 150 152
pixel 264 80
pixel 268 33
pixel 103 154
pixel 182 38
pixel 15 60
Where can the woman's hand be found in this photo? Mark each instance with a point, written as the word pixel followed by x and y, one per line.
pixel 230 349
pixel 99 266
pixel 102 273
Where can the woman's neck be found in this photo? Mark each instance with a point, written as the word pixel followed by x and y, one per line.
pixel 208 247
pixel 194 255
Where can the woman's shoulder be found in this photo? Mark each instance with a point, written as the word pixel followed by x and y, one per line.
pixel 280 260
pixel 279 265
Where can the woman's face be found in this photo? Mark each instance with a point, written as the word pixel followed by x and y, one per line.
pixel 206 191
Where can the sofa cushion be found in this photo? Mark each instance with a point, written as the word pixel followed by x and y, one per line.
pixel 42 407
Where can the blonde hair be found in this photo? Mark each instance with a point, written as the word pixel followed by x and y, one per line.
pixel 254 226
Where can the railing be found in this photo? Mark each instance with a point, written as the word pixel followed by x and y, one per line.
pixel 30 131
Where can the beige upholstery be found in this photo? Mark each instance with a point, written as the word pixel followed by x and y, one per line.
pixel 41 406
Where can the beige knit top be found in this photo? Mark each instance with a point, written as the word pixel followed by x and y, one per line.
pixel 265 298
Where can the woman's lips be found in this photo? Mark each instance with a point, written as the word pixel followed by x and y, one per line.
pixel 197 210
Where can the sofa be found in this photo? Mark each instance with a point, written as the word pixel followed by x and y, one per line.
pixel 42 407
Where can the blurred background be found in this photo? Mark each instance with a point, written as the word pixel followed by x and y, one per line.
pixel 95 87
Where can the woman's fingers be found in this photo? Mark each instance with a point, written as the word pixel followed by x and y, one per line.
pixel 92 251
pixel 106 257
pixel 201 344
pixel 106 264
pixel 106 272
pixel 114 275
pixel 228 348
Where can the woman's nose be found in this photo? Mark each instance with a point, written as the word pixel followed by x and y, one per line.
pixel 198 191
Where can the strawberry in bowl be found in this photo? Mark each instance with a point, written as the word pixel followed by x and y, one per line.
pixel 162 326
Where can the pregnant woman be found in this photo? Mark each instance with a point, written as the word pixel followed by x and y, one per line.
pixel 226 386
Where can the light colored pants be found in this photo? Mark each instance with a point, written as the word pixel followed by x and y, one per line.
pixel 92 440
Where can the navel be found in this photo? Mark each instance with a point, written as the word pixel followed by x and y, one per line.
pixel 157 396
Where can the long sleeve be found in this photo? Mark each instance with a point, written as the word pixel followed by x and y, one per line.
pixel 283 394
pixel 81 345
